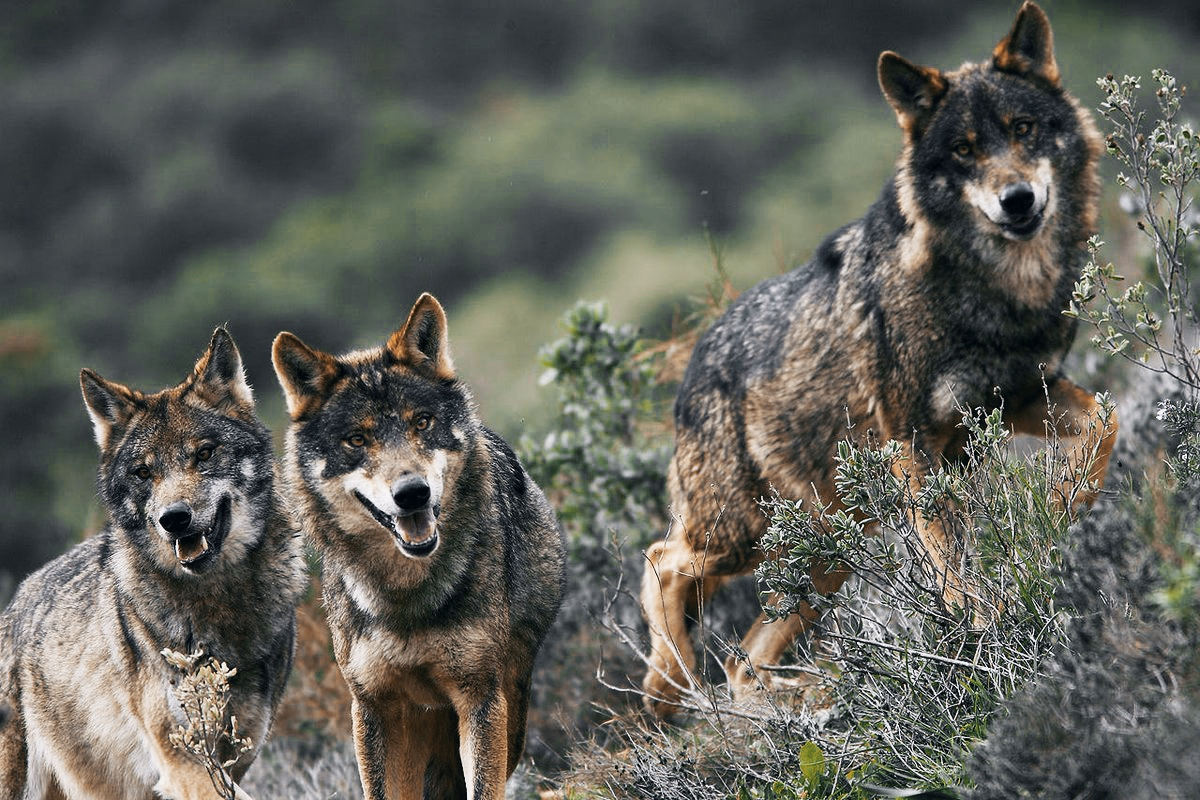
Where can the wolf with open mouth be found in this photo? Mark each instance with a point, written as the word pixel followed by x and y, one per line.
pixel 948 294
pixel 442 560
pixel 199 554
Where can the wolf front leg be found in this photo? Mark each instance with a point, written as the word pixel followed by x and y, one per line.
pixel 392 742
pixel 945 554
pixel 1086 428
pixel 180 778
pixel 483 736
pixel 13 754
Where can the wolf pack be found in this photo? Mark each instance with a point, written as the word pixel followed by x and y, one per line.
pixel 442 562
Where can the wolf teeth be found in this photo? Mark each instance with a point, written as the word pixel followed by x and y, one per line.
pixel 190 548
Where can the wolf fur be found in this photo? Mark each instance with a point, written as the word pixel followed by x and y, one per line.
pixel 947 294
pixel 443 562
pixel 199 554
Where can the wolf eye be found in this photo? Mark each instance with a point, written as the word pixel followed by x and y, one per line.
pixel 1022 128
pixel 205 452
pixel 962 149
pixel 142 473
pixel 356 440
pixel 423 421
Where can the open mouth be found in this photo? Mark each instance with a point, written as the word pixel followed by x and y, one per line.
pixel 1023 228
pixel 415 532
pixel 197 549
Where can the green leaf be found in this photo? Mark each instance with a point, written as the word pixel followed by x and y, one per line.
pixel 812 762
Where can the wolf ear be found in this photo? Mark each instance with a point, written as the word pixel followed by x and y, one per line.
pixel 424 341
pixel 913 91
pixel 304 374
pixel 110 405
pixel 219 378
pixel 1028 50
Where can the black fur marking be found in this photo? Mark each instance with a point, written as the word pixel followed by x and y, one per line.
pixel 131 643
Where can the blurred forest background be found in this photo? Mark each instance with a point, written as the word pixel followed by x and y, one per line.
pixel 313 165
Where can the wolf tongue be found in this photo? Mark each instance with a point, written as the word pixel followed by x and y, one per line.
pixel 189 548
pixel 415 528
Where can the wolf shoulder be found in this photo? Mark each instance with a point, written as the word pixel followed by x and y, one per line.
pixel 70 585
pixel 535 548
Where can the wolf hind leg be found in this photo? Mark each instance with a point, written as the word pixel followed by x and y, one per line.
pixel 766 642
pixel 516 692
pixel 675 585
pixel 1088 432
pixel 444 774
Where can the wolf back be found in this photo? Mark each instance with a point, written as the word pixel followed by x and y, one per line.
pixel 199 554
pixel 443 563
pixel 947 294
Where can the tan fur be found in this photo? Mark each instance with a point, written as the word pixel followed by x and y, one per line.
pixel 92 699
pixel 928 304
pixel 436 645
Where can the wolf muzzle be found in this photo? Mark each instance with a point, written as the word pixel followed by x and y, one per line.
pixel 195 548
pixel 414 527
pixel 1022 214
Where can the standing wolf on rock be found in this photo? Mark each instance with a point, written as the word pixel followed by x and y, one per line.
pixel 948 294
pixel 443 563
pixel 199 554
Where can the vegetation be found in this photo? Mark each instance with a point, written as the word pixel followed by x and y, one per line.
pixel 210 736
pixel 1075 624
pixel 313 166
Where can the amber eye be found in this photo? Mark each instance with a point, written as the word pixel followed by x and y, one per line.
pixel 205 452
pixel 1022 128
pixel 423 421
pixel 962 149
pixel 356 440
pixel 142 473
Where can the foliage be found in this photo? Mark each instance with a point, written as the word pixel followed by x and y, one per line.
pixel 210 737
pixel 1149 322
pixel 725 752
pixel 1116 709
pixel 604 471
pixel 916 680
pixel 289 768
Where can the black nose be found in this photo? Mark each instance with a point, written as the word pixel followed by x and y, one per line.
pixel 411 493
pixel 177 518
pixel 1017 199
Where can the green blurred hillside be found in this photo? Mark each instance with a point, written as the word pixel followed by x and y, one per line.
pixel 313 166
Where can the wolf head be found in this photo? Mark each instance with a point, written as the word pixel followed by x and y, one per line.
pixel 995 152
pixel 187 472
pixel 378 435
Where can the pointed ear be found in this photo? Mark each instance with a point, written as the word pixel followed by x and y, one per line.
pixel 424 342
pixel 913 91
pixel 304 374
pixel 110 405
pixel 219 378
pixel 1028 50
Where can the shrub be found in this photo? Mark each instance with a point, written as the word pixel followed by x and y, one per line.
pixel 1115 712
pixel 916 680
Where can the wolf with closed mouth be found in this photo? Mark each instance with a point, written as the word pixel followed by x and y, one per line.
pixel 948 294
pixel 443 563
pixel 199 553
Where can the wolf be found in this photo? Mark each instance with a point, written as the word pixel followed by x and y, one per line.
pixel 443 563
pixel 199 554
pixel 949 293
